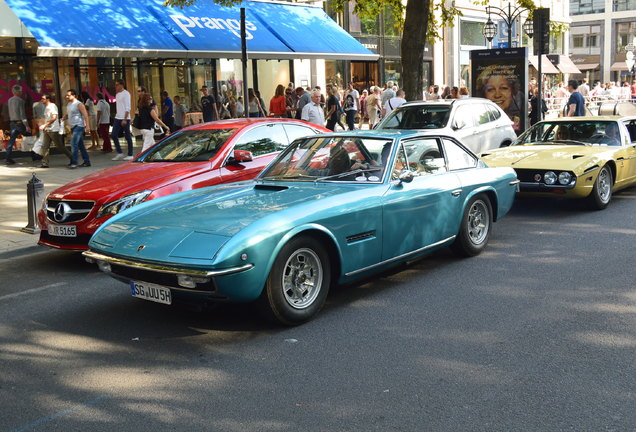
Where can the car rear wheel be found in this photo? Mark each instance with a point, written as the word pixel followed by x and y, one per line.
pixel 475 228
pixel 298 282
pixel 602 191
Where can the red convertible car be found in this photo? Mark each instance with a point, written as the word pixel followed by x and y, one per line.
pixel 203 155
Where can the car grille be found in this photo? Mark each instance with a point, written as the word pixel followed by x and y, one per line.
pixel 163 279
pixel 70 211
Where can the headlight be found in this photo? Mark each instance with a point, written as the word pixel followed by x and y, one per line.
pixel 550 178
pixel 564 178
pixel 114 207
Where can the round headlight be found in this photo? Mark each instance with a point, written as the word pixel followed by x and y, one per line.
pixel 550 178
pixel 564 178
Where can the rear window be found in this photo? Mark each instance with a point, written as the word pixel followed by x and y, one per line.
pixel 417 117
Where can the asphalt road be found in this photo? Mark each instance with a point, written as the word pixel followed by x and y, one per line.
pixel 536 334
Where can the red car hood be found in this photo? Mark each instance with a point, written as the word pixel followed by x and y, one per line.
pixel 128 178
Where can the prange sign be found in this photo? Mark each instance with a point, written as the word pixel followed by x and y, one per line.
pixel 501 75
pixel 186 23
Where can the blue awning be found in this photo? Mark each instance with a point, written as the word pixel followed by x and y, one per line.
pixel 144 28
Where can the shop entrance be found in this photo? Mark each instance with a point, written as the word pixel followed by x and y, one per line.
pixel 364 75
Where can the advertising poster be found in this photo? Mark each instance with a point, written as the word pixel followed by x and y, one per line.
pixel 501 75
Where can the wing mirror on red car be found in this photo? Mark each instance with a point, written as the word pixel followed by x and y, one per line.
pixel 241 156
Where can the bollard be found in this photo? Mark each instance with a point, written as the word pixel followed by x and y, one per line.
pixel 35 195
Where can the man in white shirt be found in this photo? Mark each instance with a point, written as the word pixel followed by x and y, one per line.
pixel 122 120
pixel 313 112
pixel 51 131
pixel 393 103
pixel 584 89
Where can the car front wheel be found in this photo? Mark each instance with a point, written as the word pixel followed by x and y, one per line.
pixel 475 228
pixel 602 191
pixel 298 282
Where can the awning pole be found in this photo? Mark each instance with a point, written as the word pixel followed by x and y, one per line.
pixel 244 62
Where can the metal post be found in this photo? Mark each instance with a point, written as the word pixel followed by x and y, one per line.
pixel 35 195
pixel 509 22
pixel 244 61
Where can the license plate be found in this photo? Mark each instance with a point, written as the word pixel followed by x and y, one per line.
pixel 152 292
pixel 63 230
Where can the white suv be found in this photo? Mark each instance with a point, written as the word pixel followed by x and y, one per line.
pixel 479 123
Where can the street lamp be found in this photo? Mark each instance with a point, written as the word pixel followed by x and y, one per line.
pixel 509 18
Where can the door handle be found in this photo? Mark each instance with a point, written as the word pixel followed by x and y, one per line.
pixel 456 192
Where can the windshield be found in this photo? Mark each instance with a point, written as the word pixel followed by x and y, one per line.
pixel 603 133
pixel 189 146
pixel 417 117
pixel 333 158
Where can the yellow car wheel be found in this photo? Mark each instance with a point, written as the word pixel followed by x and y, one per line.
pixel 602 192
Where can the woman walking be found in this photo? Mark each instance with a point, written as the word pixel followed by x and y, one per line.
pixel 147 119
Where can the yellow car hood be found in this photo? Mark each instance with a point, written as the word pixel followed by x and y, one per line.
pixel 560 157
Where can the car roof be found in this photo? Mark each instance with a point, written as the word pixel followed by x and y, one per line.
pixel 463 101
pixel 383 133
pixel 590 118
pixel 240 123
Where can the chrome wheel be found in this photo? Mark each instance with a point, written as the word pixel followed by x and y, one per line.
pixel 604 182
pixel 478 222
pixel 302 278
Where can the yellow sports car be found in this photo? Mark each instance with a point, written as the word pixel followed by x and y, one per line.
pixel 573 157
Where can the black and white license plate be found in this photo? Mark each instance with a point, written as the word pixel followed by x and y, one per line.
pixel 150 291
pixel 62 230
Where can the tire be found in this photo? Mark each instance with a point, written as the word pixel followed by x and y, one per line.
pixel 475 227
pixel 298 283
pixel 602 191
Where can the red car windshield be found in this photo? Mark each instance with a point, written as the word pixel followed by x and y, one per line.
pixel 189 146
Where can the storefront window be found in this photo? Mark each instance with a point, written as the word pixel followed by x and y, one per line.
pixel 625 34
pixel 335 73
pixel 390 23
pixel 392 71
pixel 7 45
pixel 270 74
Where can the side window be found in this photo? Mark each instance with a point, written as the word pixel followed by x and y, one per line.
pixel 297 131
pixel 400 164
pixel 631 128
pixel 464 114
pixel 495 114
pixel 457 157
pixel 425 156
pixel 263 140
pixel 482 114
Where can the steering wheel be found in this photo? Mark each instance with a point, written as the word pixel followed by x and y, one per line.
pixel 605 139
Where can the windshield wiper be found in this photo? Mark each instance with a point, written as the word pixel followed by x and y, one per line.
pixel 575 142
pixel 348 173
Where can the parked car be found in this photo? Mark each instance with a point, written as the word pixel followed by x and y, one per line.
pixel 329 209
pixel 478 123
pixel 574 157
pixel 202 155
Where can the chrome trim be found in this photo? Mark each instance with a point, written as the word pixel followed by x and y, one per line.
pixel 456 192
pixel 514 182
pixel 397 258
pixel 165 269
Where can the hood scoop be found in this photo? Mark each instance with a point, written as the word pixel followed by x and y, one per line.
pixel 577 156
pixel 272 188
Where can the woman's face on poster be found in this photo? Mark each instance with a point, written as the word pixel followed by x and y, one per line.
pixel 499 90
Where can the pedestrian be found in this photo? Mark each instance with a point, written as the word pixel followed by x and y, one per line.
pixel 373 106
pixel 278 104
pixel 146 123
pixel 51 132
pixel 239 107
pixel 261 101
pixel 393 103
pixel 254 107
pixel 576 102
pixel 18 123
pixel 535 115
pixel 167 111
pixel 364 116
pixel 633 88
pixel 103 120
pixel 179 113
pixel 303 97
pixel 388 93
pixel 122 120
pixel 77 117
pixel 38 116
pixel 290 102
pixel 463 93
pixel 208 105
pixel 333 108
pixel 352 101
pixel 313 112
pixel 92 119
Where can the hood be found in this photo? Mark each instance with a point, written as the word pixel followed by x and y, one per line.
pixel 542 156
pixel 128 177
pixel 168 226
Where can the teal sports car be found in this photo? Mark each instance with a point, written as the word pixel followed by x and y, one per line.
pixel 329 209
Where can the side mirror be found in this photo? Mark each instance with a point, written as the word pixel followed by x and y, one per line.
pixel 458 124
pixel 241 156
pixel 406 177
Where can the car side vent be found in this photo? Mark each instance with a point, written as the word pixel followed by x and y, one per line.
pixel 361 236
pixel 576 156
pixel 272 188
